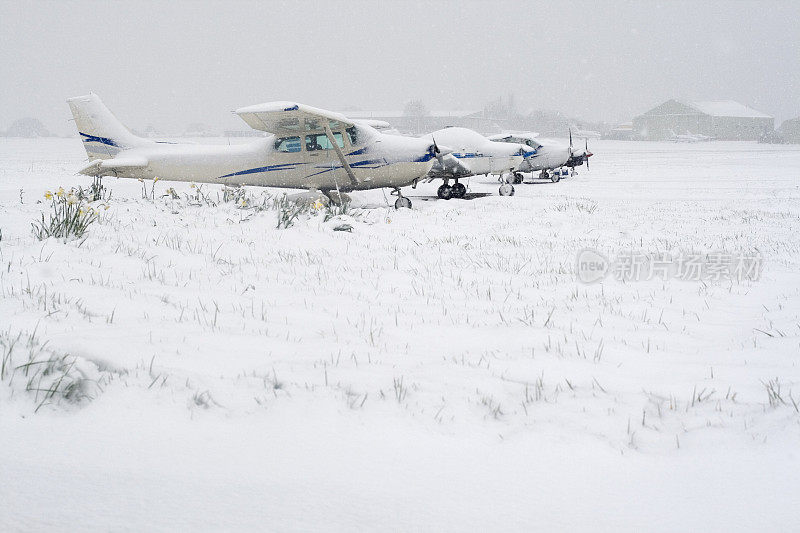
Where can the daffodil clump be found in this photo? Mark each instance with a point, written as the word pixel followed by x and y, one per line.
pixel 70 217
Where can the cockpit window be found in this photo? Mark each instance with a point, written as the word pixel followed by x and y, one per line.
pixel 288 144
pixel 320 141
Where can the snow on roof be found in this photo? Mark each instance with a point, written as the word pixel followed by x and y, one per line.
pixel 726 108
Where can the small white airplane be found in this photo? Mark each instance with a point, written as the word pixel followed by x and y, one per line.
pixel 688 137
pixel 310 149
pixel 549 156
pixel 472 154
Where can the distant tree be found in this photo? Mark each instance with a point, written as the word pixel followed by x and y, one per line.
pixel 27 127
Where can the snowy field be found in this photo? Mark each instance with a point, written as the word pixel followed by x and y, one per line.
pixel 434 369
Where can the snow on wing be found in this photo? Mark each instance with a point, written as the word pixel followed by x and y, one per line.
pixel 287 118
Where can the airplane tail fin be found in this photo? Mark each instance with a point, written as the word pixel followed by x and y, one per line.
pixel 102 134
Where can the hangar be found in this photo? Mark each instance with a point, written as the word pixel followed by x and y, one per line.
pixel 724 120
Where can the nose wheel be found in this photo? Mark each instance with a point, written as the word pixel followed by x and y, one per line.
pixel 445 192
pixel 459 190
pixel 402 201
pixel 506 189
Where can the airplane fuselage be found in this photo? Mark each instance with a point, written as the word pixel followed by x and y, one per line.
pixel 382 161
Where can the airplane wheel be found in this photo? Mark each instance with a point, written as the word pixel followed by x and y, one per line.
pixel 458 190
pixel 506 189
pixel 402 202
pixel 518 178
pixel 445 192
pixel 543 175
pixel 555 177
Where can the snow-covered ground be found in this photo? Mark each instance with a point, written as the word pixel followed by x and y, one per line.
pixel 434 369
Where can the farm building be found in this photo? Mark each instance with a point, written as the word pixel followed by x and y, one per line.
pixel 724 120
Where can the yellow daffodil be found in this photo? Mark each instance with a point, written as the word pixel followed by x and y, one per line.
pixel 48 195
pixel 155 179
pixel 60 192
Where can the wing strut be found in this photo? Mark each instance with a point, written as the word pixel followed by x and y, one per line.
pixel 345 164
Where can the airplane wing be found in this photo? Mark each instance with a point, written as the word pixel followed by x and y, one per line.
pixel 106 167
pixel 380 125
pixel 290 118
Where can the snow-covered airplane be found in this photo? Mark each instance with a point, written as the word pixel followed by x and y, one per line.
pixel 688 137
pixel 549 156
pixel 310 149
pixel 473 154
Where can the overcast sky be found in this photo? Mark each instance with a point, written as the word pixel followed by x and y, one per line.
pixel 173 63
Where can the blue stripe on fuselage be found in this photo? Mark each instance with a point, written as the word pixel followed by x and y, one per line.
pixel 360 164
pixel 93 138
pixel 269 168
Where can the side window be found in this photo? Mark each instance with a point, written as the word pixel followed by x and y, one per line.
pixel 351 132
pixel 319 141
pixel 288 144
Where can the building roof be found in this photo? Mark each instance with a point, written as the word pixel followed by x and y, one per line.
pixel 726 108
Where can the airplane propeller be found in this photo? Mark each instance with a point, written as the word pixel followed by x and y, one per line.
pixel 437 152
pixel 570 142
pixel 586 154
